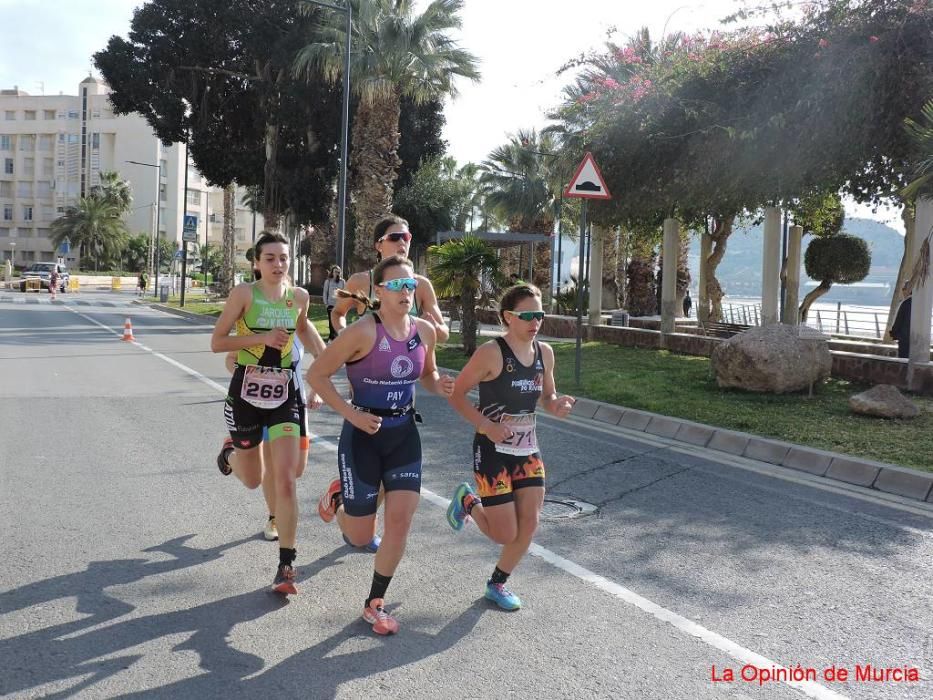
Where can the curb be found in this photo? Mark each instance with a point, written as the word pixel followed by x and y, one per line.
pixel 190 315
pixel 888 478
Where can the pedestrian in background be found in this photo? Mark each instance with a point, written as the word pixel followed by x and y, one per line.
pixel 54 281
pixel 333 282
pixel 900 329
pixel 688 304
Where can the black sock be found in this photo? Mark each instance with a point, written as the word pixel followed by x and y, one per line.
pixel 286 556
pixel 499 576
pixel 378 589
pixel 227 451
pixel 271 517
pixel 337 500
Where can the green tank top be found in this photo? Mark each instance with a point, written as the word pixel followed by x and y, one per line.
pixel 262 316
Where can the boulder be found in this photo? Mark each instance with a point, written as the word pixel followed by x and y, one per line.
pixel 777 358
pixel 884 401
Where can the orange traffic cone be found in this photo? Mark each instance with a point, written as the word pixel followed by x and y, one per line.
pixel 128 331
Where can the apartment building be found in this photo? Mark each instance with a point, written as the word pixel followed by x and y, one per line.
pixel 52 151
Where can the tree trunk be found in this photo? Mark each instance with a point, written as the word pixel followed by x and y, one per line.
pixel 621 264
pixel 374 168
pixel 642 299
pixel 610 249
pixel 811 297
pixel 229 250
pixel 270 213
pixel 722 229
pixel 468 321
pixel 683 273
pixel 908 216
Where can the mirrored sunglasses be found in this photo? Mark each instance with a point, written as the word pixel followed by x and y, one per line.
pixel 396 237
pixel 397 285
pixel 528 315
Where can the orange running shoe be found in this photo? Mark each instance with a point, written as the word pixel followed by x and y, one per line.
pixel 284 581
pixel 325 506
pixel 375 615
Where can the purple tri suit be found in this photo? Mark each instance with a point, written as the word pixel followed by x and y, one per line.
pixel 383 383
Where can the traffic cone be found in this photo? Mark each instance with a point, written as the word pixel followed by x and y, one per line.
pixel 128 331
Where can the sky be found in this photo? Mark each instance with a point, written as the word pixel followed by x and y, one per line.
pixel 47 47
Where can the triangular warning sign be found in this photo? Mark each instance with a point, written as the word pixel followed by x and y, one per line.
pixel 588 182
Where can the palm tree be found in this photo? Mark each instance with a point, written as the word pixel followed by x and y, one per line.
pixel 228 241
pixel 457 268
pixel 115 190
pixel 396 53
pixel 521 185
pixel 94 224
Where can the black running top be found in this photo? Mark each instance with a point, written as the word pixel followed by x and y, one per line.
pixel 517 388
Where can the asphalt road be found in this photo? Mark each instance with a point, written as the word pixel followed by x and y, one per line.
pixel 131 567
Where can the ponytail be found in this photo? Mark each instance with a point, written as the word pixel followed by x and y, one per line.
pixel 360 298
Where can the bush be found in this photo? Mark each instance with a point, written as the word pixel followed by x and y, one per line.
pixel 840 259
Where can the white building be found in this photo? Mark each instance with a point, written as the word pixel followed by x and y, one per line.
pixel 52 151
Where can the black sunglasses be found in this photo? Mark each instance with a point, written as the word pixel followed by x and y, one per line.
pixel 528 315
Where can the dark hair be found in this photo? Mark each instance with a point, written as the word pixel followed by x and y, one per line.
pixel 265 238
pixel 337 269
pixel 513 295
pixel 378 276
pixel 385 224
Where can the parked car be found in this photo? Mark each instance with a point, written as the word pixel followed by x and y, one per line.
pixel 43 270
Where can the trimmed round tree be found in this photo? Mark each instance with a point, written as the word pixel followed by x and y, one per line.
pixel 839 259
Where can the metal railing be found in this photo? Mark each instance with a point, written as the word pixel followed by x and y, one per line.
pixel 841 320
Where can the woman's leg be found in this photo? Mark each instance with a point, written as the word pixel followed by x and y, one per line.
pixel 284 463
pixel 400 507
pixel 246 465
pixel 528 503
pixel 268 477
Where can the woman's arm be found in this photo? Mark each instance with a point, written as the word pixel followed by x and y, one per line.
pixel 305 330
pixel 483 366
pixel 429 309
pixel 350 345
pixel 430 378
pixel 338 316
pixel 556 405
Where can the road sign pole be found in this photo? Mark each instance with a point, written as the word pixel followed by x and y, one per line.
pixel 184 270
pixel 582 254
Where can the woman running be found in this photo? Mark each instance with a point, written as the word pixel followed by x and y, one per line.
pixel 391 237
pixel 385 353
pixel 264 392
pixel 514 372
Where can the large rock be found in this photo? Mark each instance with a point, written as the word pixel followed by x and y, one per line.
pixel 777 358
pixel 884 401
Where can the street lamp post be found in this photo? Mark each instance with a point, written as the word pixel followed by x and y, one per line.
pixel 158 257
pixel 347 10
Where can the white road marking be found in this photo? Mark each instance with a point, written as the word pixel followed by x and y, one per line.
pixel 717 641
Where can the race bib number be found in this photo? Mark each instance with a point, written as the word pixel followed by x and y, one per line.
pixel 524 440
pixel 265 387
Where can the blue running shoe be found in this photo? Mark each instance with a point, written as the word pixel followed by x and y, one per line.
pixel 456 515
pixel 371 546
pixel 502 596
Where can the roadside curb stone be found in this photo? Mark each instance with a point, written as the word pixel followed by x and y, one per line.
pixel 888 478
pixel 807 460
pixel 852 471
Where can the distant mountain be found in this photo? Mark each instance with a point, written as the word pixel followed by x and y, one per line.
pixel 740 270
